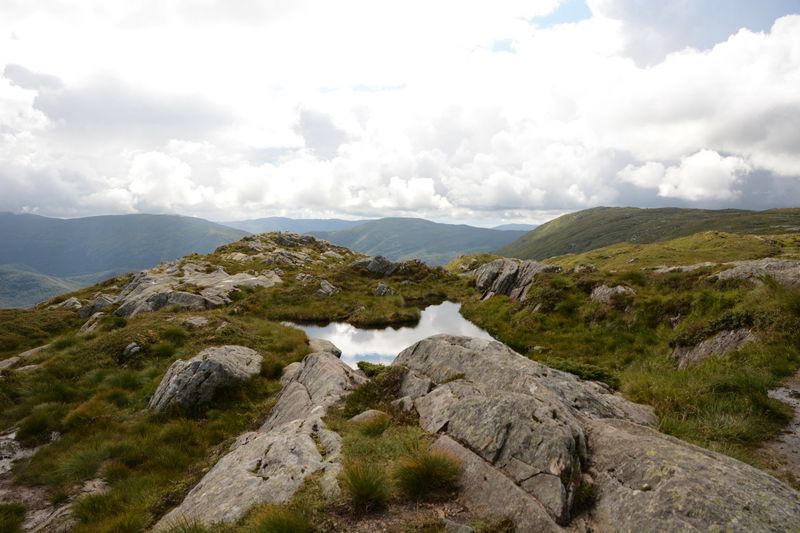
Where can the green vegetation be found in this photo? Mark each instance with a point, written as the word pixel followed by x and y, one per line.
pixel 11 517
pixel 416 238
pixel 278 519
pixel 603 226
pixel 720 403
pixel 41 257
pixel 427 475
pixel 366 485
pixel 710 246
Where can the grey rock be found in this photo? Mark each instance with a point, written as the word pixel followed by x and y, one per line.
pixel 322 345
pixel 269 465
pixel 92 324
pixel 369 415
pixel 682 268
pixel 131 350
pixel 33 351
pixel 101 301
pixel 510 277
pixel 69 303
pixel 606 295
pixel 718 345
pixel 784 271
pixel 326 288
pixel 381 266
pixel 161 286
pixel 451 526
pixel 381 289
pixel 195 321
pixel 330 254
pixel 8 363
pixel 584 268
pixel 406 403
pixel 28 368
pixel 191 383
pixel 304 278
pixel 527 436
pixel 690 488
pixel 415 385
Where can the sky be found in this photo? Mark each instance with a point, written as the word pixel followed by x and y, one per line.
pixel 454 110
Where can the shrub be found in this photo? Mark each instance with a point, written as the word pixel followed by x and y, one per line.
pixel 64 342
pixel 36 427
pixel 272 368
pixel 11 517
pixel 366 485
pixel 175 335
pixel 371 369
pixel 276 519
pixel 426 475
pixel 163 349
pixel 377 393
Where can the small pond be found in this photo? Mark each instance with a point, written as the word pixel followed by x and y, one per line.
pixel 383 345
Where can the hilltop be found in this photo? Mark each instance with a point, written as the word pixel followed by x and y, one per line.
pixel 180 398
pixel 602 226
pixel 45 256
pixel 415 238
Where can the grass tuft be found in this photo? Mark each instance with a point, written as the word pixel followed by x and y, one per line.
pixel 11 517
pixel 366 486
pixel 279 519
pixel 427 475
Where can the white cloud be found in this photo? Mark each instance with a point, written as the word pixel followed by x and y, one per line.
pixel 304 108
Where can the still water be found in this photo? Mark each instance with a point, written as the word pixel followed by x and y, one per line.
pixel 383 345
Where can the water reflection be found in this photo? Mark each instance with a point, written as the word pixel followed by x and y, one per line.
pixel 382 345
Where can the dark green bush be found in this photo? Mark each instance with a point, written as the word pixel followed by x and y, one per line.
pixel 371 369
pixel 377 393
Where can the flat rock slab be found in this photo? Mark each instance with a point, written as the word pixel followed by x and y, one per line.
pixel 534 435
pixel 269 465
pixel 511 277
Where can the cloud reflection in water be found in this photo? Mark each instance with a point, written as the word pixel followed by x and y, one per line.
pixel 383 345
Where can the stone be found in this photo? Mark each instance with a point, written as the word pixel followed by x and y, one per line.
pixel 326 288
pixel 195 321
pixel 131 350
pixel 192 383
pixel 451 526
pixel 381 289
pixel 330 254
pixel 584 268
pixel 381 266
pixel 528 435
pixel 270 464
pixel 784 271
pixel 33 351
pixel 322 345
pixel 607 295
pixel 717 345
pixel 404 404
pixel 682 268
pixel 101 301
pixel 369 415
pixel 164 285
pixel 69 303
pixel 8 363
pixel 92 324
pixel 510 277
pixel 304 278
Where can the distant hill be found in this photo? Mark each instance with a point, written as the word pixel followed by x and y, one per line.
pixel 516 227
pixel 415 238
pixel 295 225
pixel 41 255
pixel 603 226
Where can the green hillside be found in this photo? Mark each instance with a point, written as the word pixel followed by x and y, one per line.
pixel 60 255
pixel 604 226
pixel 415 238
pixel 295 225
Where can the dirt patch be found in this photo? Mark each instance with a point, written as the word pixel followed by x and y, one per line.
pixel 783 453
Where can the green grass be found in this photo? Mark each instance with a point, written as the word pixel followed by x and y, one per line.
pixel 427 475
pixel 603 226
pixel 720 403
pixel 11 517
pixel 366 486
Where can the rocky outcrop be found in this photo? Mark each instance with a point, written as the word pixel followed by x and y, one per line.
pixel 8 363
pixel 69 303
pixel 529 437
pixel 322 345
pixel 189 384
pixel 92 324
pixel 170 284
pixel 511 277
pixel 720 344
pixel 269 465
pixel 381 266
pixel 326 288
pixel 100 302
pixel 382 289
pixel 606 295
pixel 786 272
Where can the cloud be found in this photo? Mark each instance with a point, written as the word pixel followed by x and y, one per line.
pixel 108 108
pixel 28 79
pixel 321 136
pixel 705 175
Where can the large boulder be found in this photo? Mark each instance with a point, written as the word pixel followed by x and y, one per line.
pixel 270 464
pixel 607 295
pixel 784 271
pixel 192 383
pixel 100 302
pixel 510 277
pixel 381 266
pixel 718 345
pixel 537 435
